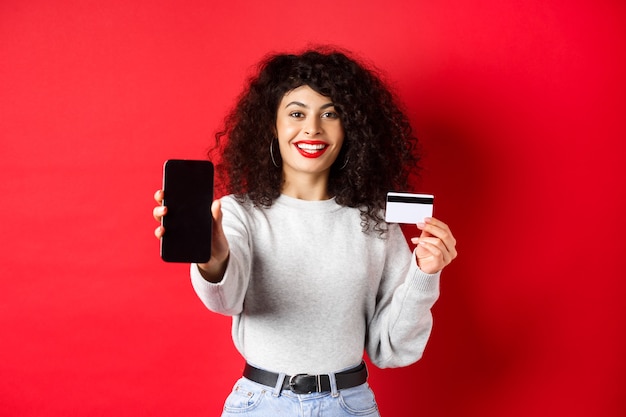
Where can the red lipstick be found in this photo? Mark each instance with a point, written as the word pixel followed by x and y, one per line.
pixel 311 148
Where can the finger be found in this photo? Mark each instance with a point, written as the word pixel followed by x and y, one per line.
pixel 158 212
pixel 216 211
pixel 432 224
pixel 220 248
pixel 436 222
pixel 439 229
pixel 437 249
pixel 448 250
pixel 158 196
pixel 218 231
pixel 159 231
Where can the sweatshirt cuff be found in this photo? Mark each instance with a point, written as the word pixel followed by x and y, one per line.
pixel 426 282
pixel 201 284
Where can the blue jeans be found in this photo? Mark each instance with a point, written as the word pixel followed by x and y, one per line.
pixel 249 399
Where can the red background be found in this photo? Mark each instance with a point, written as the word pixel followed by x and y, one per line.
pixel 520 106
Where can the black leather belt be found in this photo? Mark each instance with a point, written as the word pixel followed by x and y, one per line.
pixel 307 384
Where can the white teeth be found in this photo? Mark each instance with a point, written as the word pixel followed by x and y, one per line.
pixel 311 147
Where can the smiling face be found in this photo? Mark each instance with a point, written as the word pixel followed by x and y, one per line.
pixel 309 131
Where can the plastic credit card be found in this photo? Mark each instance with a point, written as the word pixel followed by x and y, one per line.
pixel 408 208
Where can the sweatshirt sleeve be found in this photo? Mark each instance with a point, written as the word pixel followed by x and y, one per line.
pixel 227 296
pixel 402 319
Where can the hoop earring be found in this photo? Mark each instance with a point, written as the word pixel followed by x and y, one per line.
pixel 272 153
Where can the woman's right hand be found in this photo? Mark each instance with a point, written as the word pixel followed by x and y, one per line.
pixel 158 212
pixel 212 271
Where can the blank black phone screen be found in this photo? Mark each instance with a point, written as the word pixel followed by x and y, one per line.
pixel 188 195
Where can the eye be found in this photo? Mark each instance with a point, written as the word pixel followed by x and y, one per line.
pixel 296 114
pixel 330 115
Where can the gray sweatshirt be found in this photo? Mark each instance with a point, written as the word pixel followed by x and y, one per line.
pixel 309 290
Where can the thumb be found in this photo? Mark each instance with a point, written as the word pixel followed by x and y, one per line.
pixel 216 212
pixel 220 243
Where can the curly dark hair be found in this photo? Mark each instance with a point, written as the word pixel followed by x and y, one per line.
pixel 379 145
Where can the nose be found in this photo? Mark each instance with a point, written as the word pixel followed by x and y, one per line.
pixel 312 127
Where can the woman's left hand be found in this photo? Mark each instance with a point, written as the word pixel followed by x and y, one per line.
pixel 436 247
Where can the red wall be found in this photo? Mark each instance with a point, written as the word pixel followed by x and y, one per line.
pixel 520 106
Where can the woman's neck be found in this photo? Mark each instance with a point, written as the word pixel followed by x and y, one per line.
pixel 307 187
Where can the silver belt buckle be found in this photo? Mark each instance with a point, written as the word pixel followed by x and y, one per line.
pixel 294 388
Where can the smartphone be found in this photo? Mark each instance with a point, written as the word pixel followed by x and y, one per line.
pixel 188 195
pixel 408 208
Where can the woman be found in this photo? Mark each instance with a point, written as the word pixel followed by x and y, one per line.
pixel 302 258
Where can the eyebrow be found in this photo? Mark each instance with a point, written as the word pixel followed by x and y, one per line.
pixel 297 103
